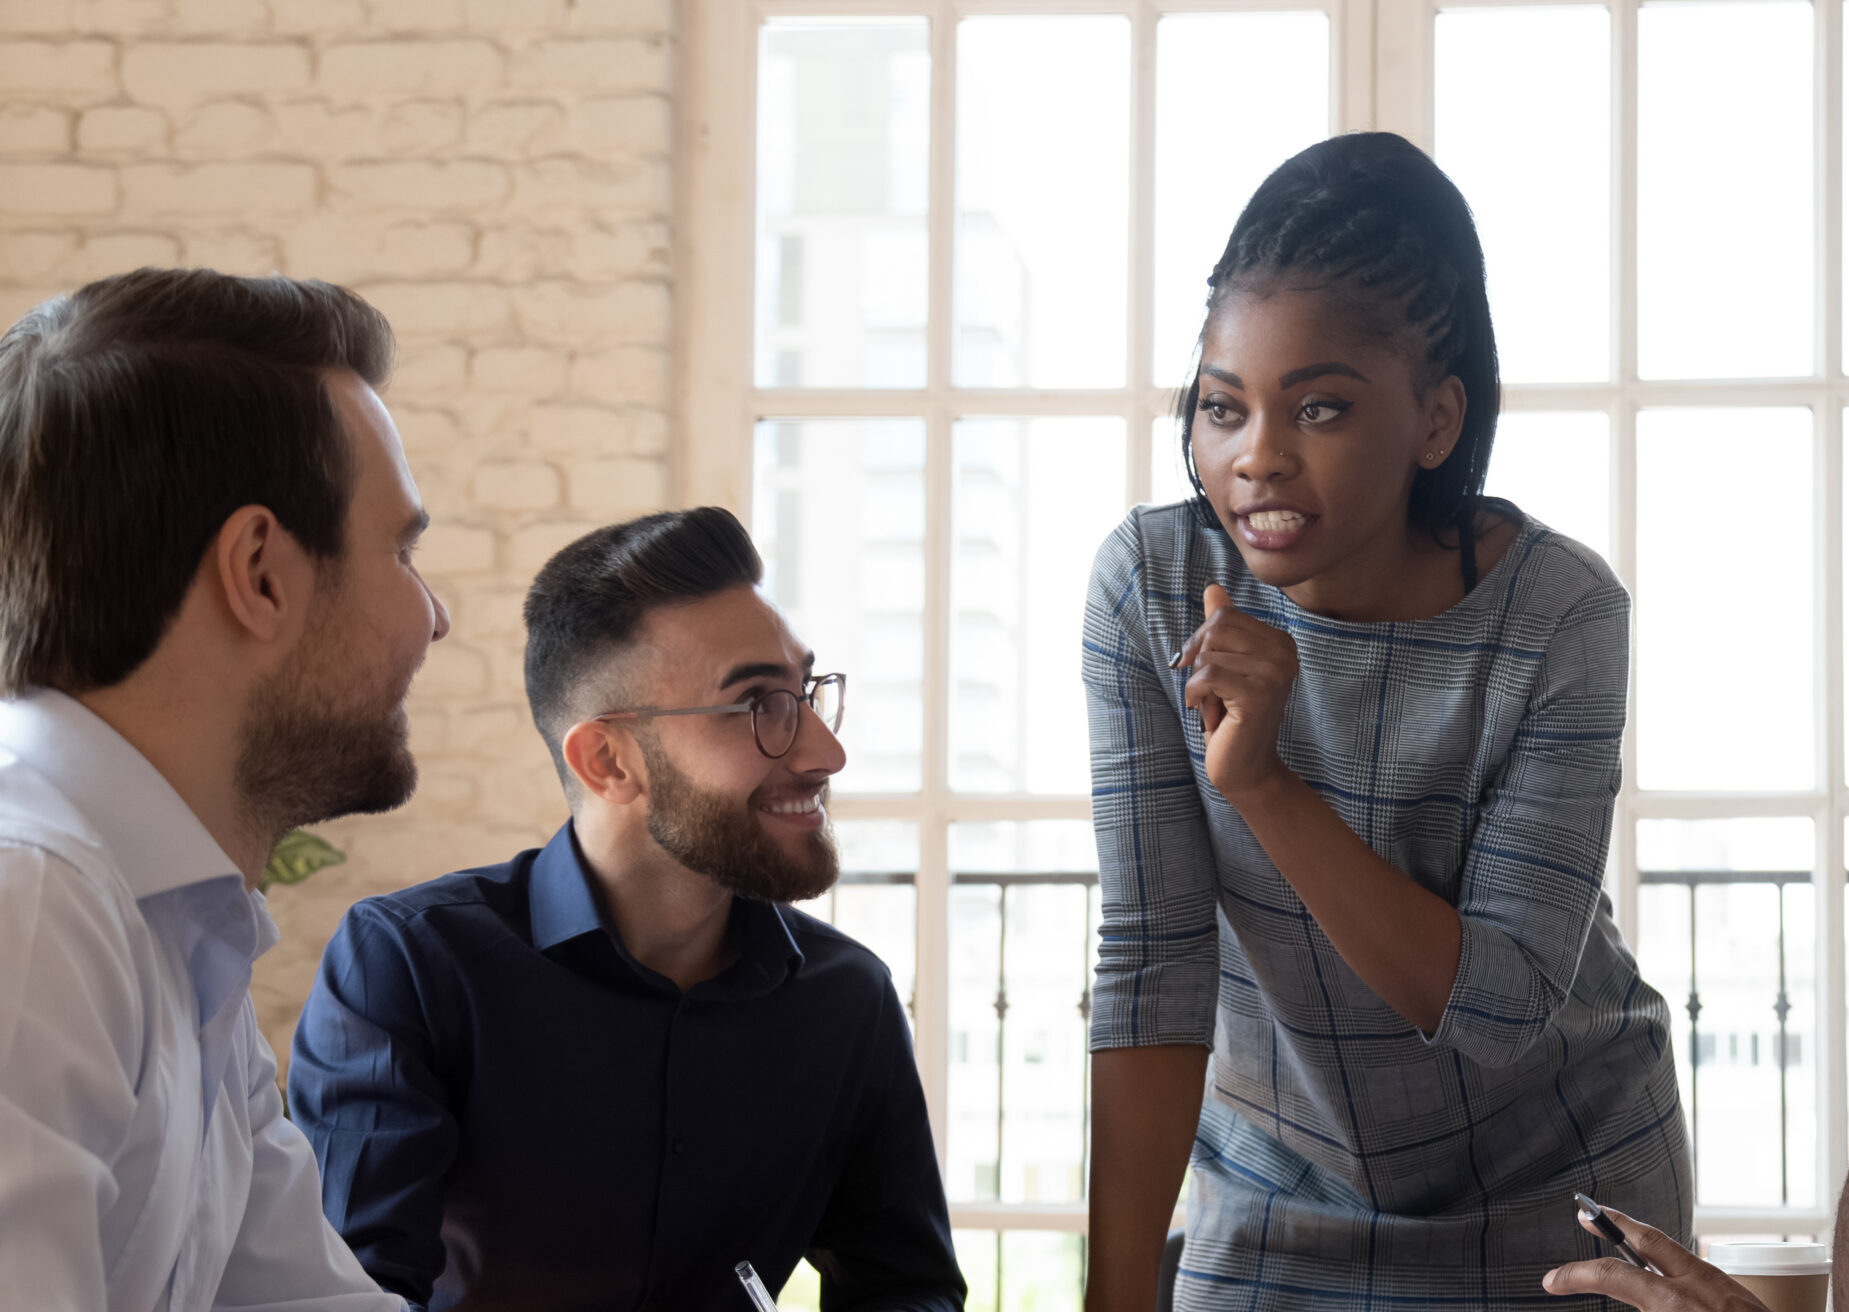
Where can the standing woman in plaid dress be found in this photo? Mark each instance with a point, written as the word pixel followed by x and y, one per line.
pixel 1355 737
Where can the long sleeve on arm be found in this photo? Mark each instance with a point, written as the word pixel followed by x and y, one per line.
pixel 1158 953
pixel 70 1021
pixel 287 1255
pixel 884 1243
pixel 1535 867
pixel 364 1088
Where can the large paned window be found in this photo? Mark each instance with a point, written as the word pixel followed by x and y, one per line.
pixel 944 267
pixel 1651 399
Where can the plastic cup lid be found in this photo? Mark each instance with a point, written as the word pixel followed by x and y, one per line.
pixel 1795 1259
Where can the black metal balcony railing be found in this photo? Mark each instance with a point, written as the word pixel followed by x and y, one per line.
pixel 1784 1055
pixel 1004 884
pixel 1690 880
pixel 1782 1048
pixel 860 878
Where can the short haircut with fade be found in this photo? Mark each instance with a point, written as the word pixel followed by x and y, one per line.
pixel 585 606
pixel 136 415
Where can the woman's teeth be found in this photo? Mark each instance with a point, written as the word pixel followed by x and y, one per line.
pixel 1275 521
pixel 800 806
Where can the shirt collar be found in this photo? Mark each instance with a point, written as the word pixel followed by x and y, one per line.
pixel 559 893
pixel 562 906
pixel 157 842
pixel 770 954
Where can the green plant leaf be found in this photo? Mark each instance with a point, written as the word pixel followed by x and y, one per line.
pixel 297 857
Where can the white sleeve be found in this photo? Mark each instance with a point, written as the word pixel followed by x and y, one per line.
pixel 287 1255
pixel 70 1042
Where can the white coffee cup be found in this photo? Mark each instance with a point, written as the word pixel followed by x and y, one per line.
pixel 1785 1277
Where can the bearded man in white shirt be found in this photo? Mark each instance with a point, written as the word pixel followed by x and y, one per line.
pixel 209 619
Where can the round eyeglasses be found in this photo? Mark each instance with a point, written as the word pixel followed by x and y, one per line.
pixel 776 713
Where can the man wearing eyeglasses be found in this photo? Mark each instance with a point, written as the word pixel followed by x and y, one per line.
pixel 605 1072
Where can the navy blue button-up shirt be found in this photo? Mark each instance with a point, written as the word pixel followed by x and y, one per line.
pixel 511 1111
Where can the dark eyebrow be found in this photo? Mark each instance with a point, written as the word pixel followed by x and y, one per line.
pixel 1230 379
pixel 1310 371
pixel 763 670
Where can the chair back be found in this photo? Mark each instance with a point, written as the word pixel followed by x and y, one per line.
pixel 1165 1277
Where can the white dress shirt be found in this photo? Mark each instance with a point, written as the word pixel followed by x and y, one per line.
pixel 145 1165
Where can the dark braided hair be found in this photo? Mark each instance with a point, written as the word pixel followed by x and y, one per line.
pixel 1369 217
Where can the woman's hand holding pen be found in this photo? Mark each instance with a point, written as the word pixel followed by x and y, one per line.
pixel 1242 675
pixel 1687 1284
pixel 1401 939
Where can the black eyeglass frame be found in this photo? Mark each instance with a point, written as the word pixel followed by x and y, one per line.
pixel 812 686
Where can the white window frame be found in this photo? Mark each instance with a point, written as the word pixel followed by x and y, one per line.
pixel 1381 54
pixel 1406 62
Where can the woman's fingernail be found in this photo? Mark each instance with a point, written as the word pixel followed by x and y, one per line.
pixel 1174 662
pixel 1547 1280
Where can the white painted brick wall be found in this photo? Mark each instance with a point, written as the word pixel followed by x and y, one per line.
pixel 495 176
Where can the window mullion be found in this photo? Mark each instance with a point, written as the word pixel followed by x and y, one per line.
pixel 932 1015
pixel 1142 261
pixel 1403 68
pixel 1624 191
pixel 1828 137
pixel 1832 1088
pixel 1624 424
pixel 942 203
pixel 1832 1005
pixel 714 366
pixel 1351 68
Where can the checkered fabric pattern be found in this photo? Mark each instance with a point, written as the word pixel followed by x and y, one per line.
pixel 1345 1160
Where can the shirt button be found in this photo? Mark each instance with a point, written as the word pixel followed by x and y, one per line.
pixel 679 1147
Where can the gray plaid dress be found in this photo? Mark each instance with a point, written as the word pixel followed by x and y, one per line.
pixel 1344 1159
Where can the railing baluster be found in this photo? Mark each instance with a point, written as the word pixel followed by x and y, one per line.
pixel 1001 1067
pixel 1783 1008
pixel 1085 1041
pixel 1694 1044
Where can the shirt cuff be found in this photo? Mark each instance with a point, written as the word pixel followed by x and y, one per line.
pixel 1169 1004
pixel 1498 1006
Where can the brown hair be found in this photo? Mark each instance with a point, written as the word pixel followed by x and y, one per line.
pixel 136 415
pixel 587 602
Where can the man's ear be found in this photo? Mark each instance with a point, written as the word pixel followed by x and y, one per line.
pixel 264 576
pixel 606 760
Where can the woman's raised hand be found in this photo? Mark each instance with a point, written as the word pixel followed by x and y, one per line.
pixel 1243 671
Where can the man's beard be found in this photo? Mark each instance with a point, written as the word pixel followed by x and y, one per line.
pixel 310 750
pixel 717 837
